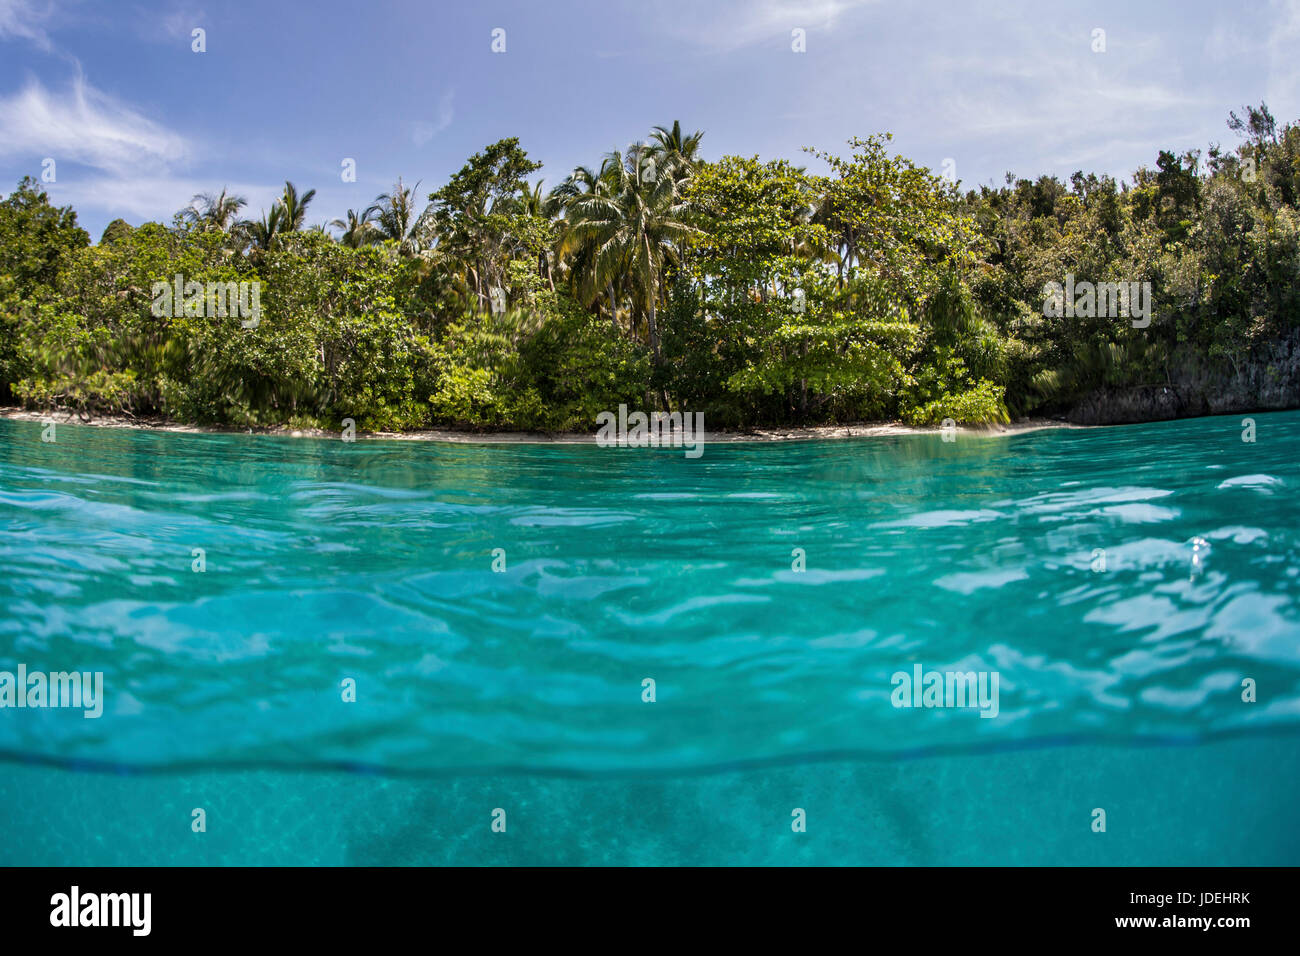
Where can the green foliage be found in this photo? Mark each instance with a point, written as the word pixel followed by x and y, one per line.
pixel 37 240
pixel 481 224
pixel 65 361
pixel 979 405
pixel 754 292
pixel 509 372
pixel 332 344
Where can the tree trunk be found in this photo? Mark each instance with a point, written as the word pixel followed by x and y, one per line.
pixel 654 332
pixel 654 295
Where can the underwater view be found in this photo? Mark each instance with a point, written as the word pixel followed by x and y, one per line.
pixel 1061 647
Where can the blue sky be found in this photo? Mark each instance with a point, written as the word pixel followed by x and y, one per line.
pixel 137 122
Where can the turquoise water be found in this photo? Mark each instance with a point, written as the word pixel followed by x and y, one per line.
pixel 1120 685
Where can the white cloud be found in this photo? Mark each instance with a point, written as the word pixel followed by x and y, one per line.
pixel 727 27
pixel 1064 106
pixel 1284 59
pixel 85 126
pixel 178 24
pixel 150 198
pixel 23 19
pixel 422 132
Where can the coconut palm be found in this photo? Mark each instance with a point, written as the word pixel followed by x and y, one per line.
pixel 583 181
pixel 293 208
pixel 262 235
pixel 394 217
pixel 632 227
pixel 673 152
pixel 547 207
pixel 358 230
pixel 211 213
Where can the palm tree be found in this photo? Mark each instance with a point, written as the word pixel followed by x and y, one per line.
pixel 358 230
pixel 583 181
pixel 632 227
pixel 395 218
pixel 673 152
pixel 293 207
pixel 262 235
pixel 547 207
pixel 212 213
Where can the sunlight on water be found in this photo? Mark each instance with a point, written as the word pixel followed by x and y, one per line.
pixel 1121 583
pixel 373 561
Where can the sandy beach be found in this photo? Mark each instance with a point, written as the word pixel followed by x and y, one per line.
pixel 809 433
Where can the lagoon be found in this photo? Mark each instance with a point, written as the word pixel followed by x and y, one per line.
pixel 1121 681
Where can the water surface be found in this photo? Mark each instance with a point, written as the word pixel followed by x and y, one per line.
pixel 1122 583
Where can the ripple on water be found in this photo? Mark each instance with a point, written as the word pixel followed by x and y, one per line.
pixel 767 593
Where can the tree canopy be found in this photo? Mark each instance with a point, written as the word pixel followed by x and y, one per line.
pixel 752 290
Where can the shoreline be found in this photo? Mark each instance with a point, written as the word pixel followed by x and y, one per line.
pixel 455 436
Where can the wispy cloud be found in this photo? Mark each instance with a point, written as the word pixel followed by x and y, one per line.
pixel 176 24
pixel 1066 106
pixel 724 27
pixel 24 20
pixel 151 198
pixel 85 125
pixel 422 132
pixel 1284 57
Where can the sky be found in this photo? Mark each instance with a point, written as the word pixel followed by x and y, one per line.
pixel 136 121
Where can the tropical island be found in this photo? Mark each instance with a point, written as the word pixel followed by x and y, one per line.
pixel 753 291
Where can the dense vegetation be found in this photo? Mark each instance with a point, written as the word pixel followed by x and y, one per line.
pixel 755 292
